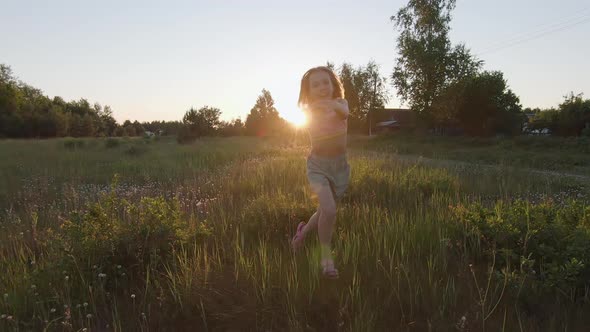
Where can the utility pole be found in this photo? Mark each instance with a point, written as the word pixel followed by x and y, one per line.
pixel 372 103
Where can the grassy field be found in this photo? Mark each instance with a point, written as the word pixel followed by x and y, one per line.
pixel 149 235
pixel 571 155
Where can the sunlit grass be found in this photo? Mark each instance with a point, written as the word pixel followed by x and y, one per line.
pixel 405 265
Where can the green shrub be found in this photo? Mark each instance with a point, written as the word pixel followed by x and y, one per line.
pixel 73 143
pixel 546 244
pixel 136 150
pixel 116 231
pixel 112 143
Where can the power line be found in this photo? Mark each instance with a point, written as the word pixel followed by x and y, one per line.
pixel 551 28
pixel 545 26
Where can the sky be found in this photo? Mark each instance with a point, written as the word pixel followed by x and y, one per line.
pixel 153 60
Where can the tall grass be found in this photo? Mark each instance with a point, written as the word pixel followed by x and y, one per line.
pixel 570 155
pixel 195 237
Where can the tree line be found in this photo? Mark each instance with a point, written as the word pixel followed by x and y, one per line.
pixel 444 84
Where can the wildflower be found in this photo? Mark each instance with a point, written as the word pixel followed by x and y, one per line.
pixel 89 316
pixel 133 296
pixel 85 304
pixel 67 278
pixel 52 310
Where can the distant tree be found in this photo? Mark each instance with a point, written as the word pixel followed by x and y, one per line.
pixel 231 128
pixel 198 123
pixel 483 105
pixel 574 115
pixel 108 122
pixel 264 119
pixel 120 131
pixel 128 129
pixel 139 130
pixel 365 90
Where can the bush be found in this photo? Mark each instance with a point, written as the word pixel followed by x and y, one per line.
pixel 136 150
pixel 73 143
pixel 546 244
pixel 185 136
pixel 112 143
pixel 116 231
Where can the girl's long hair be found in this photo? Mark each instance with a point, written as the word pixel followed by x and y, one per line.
pixel 304 91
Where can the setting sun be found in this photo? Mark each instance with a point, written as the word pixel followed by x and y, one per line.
pixel 295 117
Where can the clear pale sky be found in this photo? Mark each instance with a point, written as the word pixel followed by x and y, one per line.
pixel 154 60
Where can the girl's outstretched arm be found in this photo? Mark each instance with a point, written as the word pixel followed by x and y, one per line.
pixel 341 107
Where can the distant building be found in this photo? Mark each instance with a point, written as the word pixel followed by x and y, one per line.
pixel 394 119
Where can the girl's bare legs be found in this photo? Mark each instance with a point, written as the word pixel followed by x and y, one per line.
pixel 312 224
pixel 326 221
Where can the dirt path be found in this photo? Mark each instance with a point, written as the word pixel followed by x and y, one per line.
pixel 457 164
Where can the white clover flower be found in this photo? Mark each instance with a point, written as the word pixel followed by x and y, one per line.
pixel 52 310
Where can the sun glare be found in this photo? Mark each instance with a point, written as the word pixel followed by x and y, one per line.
pixel 296 117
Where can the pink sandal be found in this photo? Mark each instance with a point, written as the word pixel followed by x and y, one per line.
pixel 328 270
pixel 297 241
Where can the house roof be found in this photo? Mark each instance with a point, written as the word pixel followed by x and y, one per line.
pixel 387 123
pixel 401 115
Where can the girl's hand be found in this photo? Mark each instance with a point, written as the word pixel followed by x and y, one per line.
pixel 330 104
pixel 337 105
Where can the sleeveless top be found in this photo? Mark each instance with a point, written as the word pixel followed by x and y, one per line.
pixel 327 130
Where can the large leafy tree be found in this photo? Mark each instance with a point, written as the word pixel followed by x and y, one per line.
pixel 427 62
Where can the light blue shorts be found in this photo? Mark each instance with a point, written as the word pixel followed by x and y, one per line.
pixel 328 171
